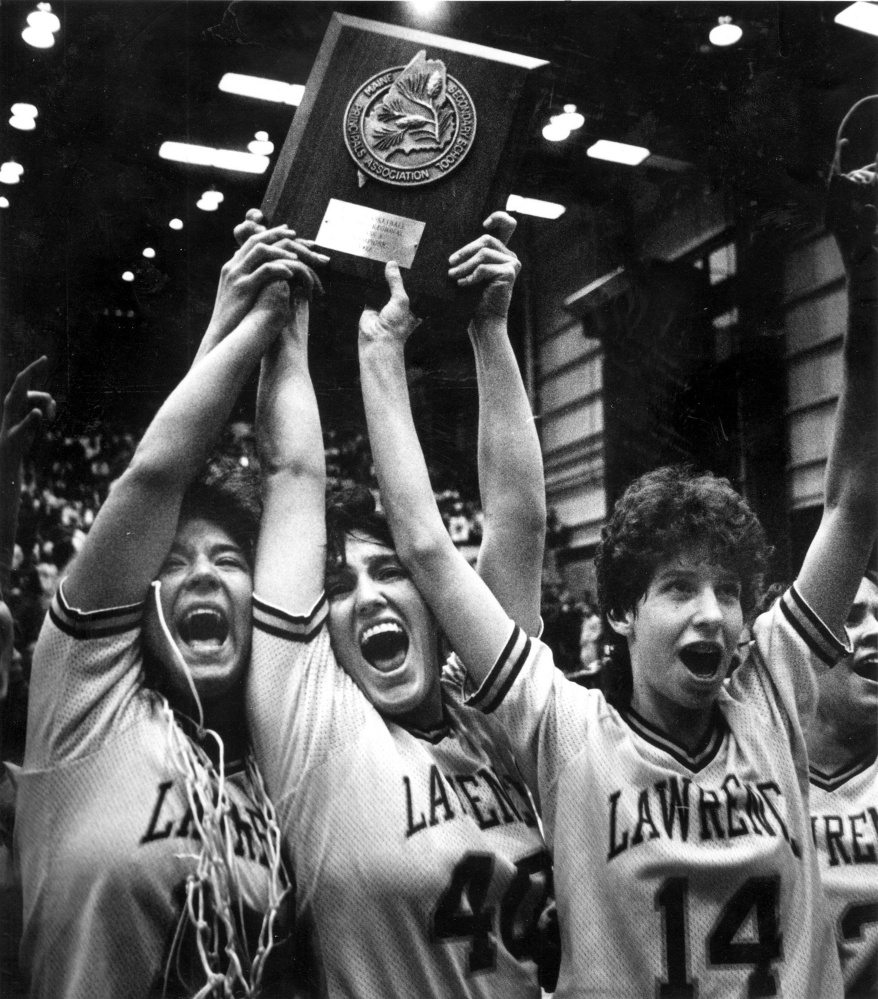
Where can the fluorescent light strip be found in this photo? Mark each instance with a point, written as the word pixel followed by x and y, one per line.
pixel 617 152
pixel 532 206
pixel 860 17
pixel 262 89
pixel 224 159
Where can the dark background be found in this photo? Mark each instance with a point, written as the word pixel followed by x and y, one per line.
pixel 757 120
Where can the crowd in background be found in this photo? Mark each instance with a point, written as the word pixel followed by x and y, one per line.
pixel 67 478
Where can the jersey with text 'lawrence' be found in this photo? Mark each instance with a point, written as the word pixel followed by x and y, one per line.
pixel 679 874
pixel 103 827
pixel 844 824
pixel 420 869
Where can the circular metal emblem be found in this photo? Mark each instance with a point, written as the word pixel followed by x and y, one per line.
pixel 410 125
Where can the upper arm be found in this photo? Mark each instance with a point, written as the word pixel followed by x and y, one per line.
pixel 834 565
pixel 510 562
pixel 470 615
pixel 130 538
pixel 291 551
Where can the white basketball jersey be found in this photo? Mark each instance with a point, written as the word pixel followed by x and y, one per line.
pixel 677 873
pixel 103 831
pixel 420 869
pixel 844 823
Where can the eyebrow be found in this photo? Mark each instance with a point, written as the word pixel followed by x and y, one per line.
pixel 388 558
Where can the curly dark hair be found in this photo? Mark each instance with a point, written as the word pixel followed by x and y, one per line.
pixel 227 493
pixel 661 514
pixel 352 509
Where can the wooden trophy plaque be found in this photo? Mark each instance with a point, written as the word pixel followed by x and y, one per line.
pixel 403 144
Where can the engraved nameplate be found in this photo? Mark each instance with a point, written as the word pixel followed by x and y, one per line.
pixel 363 232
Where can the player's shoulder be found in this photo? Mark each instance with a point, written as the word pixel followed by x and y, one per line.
pixel 793 621
pixel 92 625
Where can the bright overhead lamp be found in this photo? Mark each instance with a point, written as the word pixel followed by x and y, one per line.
pixel 261 147
pixel 25 110
pixel 43 19
pixel 571 119
pixel 148 252
pixel 4 202
pixel 533 206
pixel 207 206
pixel 10 173
pixel 860 17
pixel 224 159
pixel 217 197
pixel 555 131
pixel 127 275
pixel 424 7
pixel 38 39
pixel 617 152
pixel 262 89
pixel 176 223
pixel 725 33
pixel 22 123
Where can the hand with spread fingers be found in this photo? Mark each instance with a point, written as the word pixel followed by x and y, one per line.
pixel 489 261
pixel 395 323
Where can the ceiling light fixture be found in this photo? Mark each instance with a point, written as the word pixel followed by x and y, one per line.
pixel 224 159
pixel 260 145
pixel 555 131
pixel 725 33
pixel 571 119
pixel 262 89
pixel 25 110
pixel 533 206
pixel 10 172
pixel 859 16
pixel 4 202
pixel 43 19
pixel 149 252
pixel 176 223
pixel 41 27
pixel 617 152
pixel 424 7
pixel 22 123
pixel 128 276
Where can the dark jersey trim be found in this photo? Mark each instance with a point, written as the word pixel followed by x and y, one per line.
pixel 833 781
pixel 698 758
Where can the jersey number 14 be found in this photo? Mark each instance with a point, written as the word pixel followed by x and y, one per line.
pixel 757 896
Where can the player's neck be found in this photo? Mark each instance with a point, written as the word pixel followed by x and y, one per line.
pixel 832 746
pixel 686 726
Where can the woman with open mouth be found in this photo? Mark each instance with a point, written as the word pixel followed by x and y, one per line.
pixel 420 868
pixel 148 848
pixel 676 810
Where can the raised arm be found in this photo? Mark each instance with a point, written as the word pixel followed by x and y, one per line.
pixel 510 463
pixel 133 532
pixel 469 614
pixel 25 410
pixel 837 557
pixel 292 539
